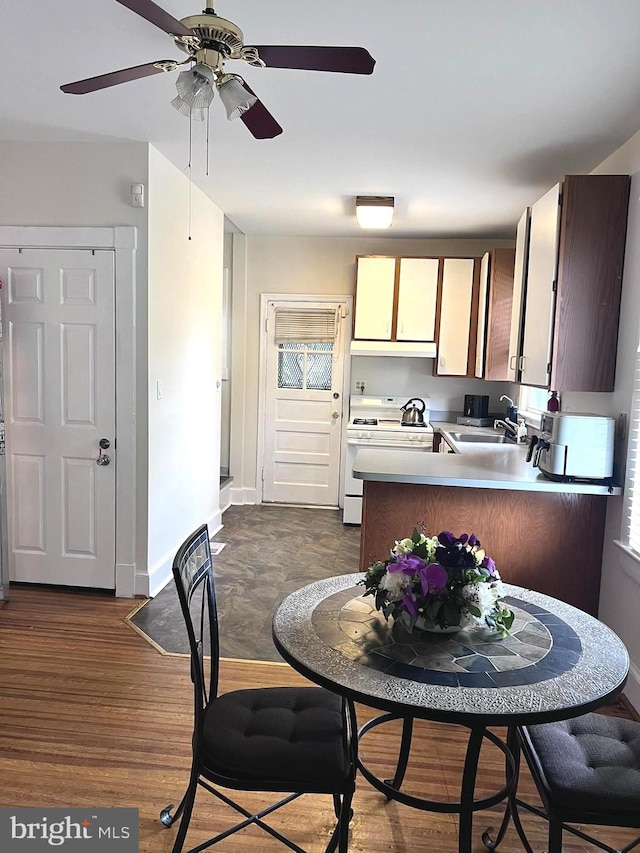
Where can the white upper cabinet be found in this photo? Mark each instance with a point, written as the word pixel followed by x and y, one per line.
pixel 375 288
pixel 519 288
pixel 396 299
pixel 455 317
pixel 539 312
pixel 482 315
pixel 417 293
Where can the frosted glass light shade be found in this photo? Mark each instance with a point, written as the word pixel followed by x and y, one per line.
pixel 374 211
pixel 195 91
pixel 236 98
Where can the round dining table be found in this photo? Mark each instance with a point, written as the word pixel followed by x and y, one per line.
pixel 557 662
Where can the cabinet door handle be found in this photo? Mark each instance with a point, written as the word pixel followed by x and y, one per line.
pixel 522 361
pixel 513 362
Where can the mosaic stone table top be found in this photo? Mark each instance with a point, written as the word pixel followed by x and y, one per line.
pixel 557 661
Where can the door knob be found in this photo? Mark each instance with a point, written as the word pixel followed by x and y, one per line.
pixel 103 459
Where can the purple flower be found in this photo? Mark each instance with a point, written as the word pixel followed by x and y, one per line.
pixel 409 564
pixel 433 579
pixel 446 538
pixel 489 565
pixel 410 604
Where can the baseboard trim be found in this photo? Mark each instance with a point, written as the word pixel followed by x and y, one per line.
pixel 150 583
pixel 241 496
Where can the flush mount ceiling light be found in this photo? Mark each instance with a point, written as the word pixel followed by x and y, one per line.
pixel 374 211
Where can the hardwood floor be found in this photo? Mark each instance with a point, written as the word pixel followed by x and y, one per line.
pixel 91 714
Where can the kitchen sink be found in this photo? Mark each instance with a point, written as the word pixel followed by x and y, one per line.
pixel 480 439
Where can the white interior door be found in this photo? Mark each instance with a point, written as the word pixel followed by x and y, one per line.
pixel 303 417
pixel 59 384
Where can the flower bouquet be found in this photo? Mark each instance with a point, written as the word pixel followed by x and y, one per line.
pixel 439 583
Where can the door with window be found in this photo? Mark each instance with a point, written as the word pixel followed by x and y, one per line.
pixel 305 346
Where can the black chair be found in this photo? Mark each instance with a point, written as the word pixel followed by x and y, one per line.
pixel 274 739
pixel 587 771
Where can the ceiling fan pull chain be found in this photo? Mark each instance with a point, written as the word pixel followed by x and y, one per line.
pixel 189 170
pixel 207 165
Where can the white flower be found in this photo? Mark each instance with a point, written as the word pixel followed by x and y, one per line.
pixel 482 596
pixel 395 584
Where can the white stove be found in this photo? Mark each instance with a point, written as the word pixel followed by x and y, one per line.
pixel 376 422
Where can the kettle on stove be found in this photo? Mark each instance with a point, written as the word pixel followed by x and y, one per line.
pixel 413 412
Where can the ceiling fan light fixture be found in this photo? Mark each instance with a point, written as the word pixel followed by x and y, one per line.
pixel 235 97
pixel 374 211
pixel 195 91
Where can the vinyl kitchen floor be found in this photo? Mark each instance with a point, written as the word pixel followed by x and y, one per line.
pixel 269 552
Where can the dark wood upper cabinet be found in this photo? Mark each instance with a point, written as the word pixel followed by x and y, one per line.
pixel 593 229
pixel 494 314
pixel 573 284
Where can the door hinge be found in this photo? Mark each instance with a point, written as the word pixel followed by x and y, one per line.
pixel 549 367
pixel 554 286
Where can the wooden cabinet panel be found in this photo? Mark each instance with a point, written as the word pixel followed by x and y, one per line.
pixel 547 541
pixel 457 318
pixel 494 314
pixel 498 327
pixel 417 292
pixel 592 239
pixel 375 287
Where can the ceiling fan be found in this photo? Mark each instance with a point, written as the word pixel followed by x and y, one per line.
pixel 209 42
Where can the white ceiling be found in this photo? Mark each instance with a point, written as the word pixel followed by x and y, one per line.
pixel 474 109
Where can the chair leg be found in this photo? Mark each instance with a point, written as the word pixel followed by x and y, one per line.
pixel 555 835
pixel 182 813
pixel 340 837
pixel 345 819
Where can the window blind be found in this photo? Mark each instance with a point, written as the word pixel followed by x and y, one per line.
pixel 306 325
pixel 632 500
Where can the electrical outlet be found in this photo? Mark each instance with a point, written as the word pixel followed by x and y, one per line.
pixel 360 385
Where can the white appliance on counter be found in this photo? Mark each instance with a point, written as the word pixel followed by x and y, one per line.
pixel 574 445
pixel 376 422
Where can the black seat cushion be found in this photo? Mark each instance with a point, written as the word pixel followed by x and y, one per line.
pixel 591 763
pixel 283 734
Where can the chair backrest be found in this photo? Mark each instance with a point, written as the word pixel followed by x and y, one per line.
pixel 193 575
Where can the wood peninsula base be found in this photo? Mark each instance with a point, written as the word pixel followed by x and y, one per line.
pixel 545 541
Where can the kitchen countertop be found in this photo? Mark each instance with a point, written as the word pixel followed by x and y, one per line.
pixel 472 465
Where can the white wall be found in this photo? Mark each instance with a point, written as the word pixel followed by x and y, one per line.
pixel 87 184
pixel 184 356
pixel 177 328
pixel 322 266
pixel 620 587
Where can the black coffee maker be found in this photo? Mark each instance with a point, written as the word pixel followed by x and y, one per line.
pixel 476 405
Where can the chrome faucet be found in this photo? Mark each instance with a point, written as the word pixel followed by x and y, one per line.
pixel 510 428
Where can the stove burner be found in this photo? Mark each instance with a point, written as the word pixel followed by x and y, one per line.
pixel 366 421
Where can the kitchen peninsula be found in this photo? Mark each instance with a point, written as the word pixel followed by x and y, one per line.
pixel 542 535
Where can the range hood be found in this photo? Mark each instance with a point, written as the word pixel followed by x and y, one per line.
pixel 406 349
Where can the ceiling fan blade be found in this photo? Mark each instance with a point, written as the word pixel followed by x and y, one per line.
pixel 103 81
pixel 155 15
pixel 348 60
pixel 259 120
